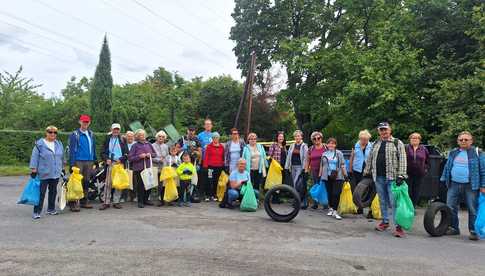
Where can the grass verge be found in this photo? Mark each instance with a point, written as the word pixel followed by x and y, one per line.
pixel 14 170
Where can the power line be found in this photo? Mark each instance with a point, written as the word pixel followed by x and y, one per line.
pixel 199 18
pixel 68 38
pixel 141 22
pixel 59 42
pixel 179 28
pixel 100 29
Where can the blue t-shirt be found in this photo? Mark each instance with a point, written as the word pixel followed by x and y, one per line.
pixel 460 172
pixel 205 138
pixel 115 149
pixel 332 161
pixel 238 176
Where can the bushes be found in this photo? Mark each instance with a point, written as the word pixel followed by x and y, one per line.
pixel 16 145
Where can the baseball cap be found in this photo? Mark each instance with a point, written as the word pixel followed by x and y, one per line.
pixel 115 125
pixel 85 118
pixel 383 125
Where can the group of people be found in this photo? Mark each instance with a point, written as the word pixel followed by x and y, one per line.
pixel 204 157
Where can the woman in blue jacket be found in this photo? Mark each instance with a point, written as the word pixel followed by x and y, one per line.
pixel 256 162
pixel 46 163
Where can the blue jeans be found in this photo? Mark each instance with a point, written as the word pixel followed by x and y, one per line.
pixel 455 191
pixel 386 199
pixel 233 194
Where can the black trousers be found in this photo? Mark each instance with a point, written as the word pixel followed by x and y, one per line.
pixel 51 200
pixel 183 190
pixel 140 187
pixel 334 189
pixel 256 179
pixel 161 188
pixel 356 178
pixel 211 183
pixel 414 184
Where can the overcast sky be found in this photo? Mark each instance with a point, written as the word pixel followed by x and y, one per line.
pixel 56 39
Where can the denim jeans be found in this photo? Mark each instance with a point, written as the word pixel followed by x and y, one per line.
pixel 455 191
pixel 386 199
pixel 233 194
pixel 51 199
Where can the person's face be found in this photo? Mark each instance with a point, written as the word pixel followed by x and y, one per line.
pixel 141 137
pixel 173 151
pixel 331 145
pixel 84 124
pixel 298 138
pixel 115 131
pixel 414 140
pixel 384 133
pixel 465 141
pixel 191 133
pixel 241 166
pixel 130 138
pixel 235 135
pixel 363 140
pixel 186 158
pixel 215 140
pixel 160 139
pixel 252 140
pixel 51 135
pixel 281 138
pixel 208 125
pixel 317 140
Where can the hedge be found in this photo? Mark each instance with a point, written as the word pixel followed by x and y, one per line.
pixel 16 145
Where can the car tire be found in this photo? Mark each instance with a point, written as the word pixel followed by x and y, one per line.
pixel 364 193
pixel 272 213
pixel 429 218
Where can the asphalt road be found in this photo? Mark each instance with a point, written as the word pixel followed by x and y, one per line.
pixel 206 240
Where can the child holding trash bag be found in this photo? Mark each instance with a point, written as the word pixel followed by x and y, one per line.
pixel 172 160
pixel 47 163
pixel 185 171
pixel 333 173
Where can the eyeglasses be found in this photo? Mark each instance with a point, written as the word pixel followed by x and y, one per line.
pixel 464 140
pixel 52 132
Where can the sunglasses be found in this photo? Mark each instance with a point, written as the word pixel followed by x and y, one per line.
pixel 317 138
pixel 52 132
pixel 464 140
pixel 235 133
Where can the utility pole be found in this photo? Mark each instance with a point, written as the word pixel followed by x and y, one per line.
pixel 250 92
pixel 248 84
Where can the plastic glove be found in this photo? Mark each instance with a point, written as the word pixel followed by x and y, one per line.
pixel 187 172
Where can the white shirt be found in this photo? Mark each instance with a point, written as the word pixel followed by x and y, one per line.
pixel 50 145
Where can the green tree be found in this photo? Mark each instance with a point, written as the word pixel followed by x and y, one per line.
pixel 101 91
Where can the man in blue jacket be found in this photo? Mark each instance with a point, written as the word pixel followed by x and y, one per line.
pixel 464 175
pixel 82 154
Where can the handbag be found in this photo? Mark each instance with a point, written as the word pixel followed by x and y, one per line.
pixel 148 176
pixel 130 177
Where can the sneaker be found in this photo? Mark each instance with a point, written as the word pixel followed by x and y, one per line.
pixel 473 236
pixel 179 204
pixel 330 212
pixel 336 215
pixel 206 199
pixel 187 204
pixel 452 231
pixel 398 233
pixel 36 216
pixel 382 227
pixel 52 212
pixel 213 199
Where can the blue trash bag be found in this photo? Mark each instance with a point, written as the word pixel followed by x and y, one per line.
pixel 318 192
pixel 480 221
pixel 31 193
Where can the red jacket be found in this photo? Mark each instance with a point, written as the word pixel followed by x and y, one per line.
pixel 213 156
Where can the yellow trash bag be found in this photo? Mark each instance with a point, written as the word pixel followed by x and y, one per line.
pixel 221 185
pixel 346 205
pixel 74 185
pixel 275 175
pixel 167 173
pixel 376 208
pixel 120 180
pixel 171 192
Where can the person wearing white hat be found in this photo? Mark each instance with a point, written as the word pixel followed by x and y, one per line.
pixel 115 151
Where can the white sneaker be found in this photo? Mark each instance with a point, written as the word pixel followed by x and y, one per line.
pixel 330 212
pixel 336 215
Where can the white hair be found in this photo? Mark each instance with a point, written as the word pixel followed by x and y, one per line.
pixel 161 133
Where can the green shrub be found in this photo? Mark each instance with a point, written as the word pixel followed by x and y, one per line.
pixel 16 145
